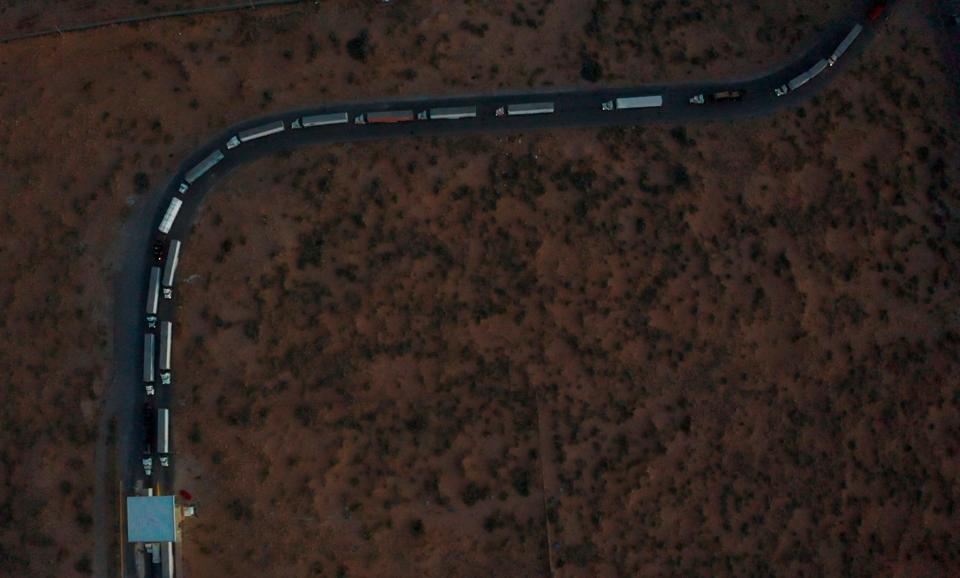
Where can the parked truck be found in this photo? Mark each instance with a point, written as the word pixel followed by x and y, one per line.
pixel 203 166
pixel 163 436
pixel 384 117
pixel 526 108
pixel 149 346
pixel 153 296
pixel 321 120
pixel 803 78
pixel 166 559
pixel 629 102
pixel 170 215
pixel 170 268
pixel 845 44
pixel 255 133
pixel 448 113
pixel 166 339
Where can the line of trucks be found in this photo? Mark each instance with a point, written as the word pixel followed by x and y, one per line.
pixel 168 253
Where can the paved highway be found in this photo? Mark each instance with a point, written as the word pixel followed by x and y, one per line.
pixel 580 107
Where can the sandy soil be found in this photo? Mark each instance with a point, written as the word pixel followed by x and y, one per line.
pixel 848 340
pixel 697 374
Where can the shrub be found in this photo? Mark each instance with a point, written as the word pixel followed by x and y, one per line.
pixel 358 47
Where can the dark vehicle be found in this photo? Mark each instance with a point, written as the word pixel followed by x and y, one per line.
pixel 726 95
pixel 877 10
pixel 159 250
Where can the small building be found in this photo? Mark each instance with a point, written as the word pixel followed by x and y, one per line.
pixel 151 519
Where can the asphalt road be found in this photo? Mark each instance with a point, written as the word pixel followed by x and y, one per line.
pixel 581 107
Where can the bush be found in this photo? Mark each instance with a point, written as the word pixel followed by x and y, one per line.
pixel 358 47
pixel 590 69
pixel 416 527
pixel 473 493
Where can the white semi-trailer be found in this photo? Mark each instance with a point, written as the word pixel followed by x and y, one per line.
pixel 529 108
pixel 255 133
pixel 166 559
pixel 321 120
pixel 170 268
pixel 448 113
pixel 153 296
pixel 149 346
pixel 801 79
pixel 203 166
pixel 170 216
pixel 163 436
pixel 166 338
pixel 845 44
pixel 633 102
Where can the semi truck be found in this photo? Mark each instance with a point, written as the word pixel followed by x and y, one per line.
pixel 321 120
pixel 448 113
pixel 633 102
pixel 149 346
pixel 803 78
pixel 255 133
pixel 153 296
pixel 149 425
pixel 166 559
pixel 203 166
pixel 719 96
pixel 845 44
pixel 170 268
pixel 168 217
pixel 166 341
pixel 384 117
pixel 526 108
pixel 163 436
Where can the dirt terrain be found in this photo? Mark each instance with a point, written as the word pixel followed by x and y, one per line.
pixel 714 350
pixel 717 349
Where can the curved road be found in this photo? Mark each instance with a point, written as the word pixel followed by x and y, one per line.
pixel 124 400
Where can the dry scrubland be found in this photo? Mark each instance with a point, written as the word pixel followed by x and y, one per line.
pixel 713 350
pixel 824 357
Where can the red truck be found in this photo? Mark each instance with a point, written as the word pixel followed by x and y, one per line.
pixel 386 116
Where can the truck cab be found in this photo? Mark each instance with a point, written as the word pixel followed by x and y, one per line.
pixel 697 99
pixel 607 105
pixel 781 90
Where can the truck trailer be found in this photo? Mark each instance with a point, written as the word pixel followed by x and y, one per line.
pixel 321 120
pixel 153 296
pixel 809 75
pixel 633 102
pixel 149 346
pixel 845 44
pixel 166 559
pixel 203 166
pixel 528 108
pixel 448 113
pixel 170 268
pixel 384 117
pixel 255 133
pixel 163 435
pixel 167 221
pixel 166 338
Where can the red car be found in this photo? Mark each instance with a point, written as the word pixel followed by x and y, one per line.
pixel 876 11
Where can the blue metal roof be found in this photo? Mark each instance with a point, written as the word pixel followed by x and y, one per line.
pixel 151 519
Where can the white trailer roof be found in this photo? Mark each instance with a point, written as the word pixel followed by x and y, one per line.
pixel 325 119
pixel 203 166
pixel 153 291
pixel 170 268
pixel 640 101
pixel 166 338
pixel 261 131
pixel 530 108
pixel 167 221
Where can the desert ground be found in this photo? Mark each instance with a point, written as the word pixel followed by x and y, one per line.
pixel 725 349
